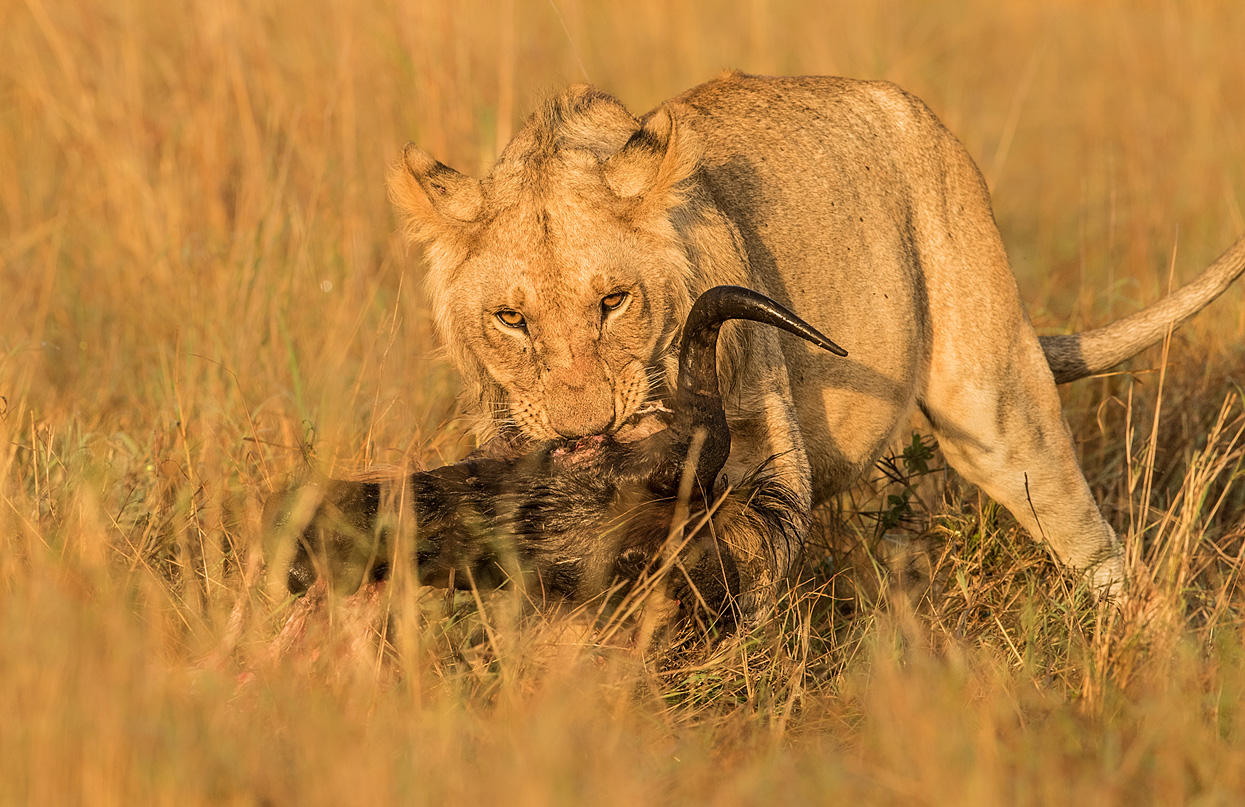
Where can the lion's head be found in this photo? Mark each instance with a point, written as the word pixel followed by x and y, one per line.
pixel 558 282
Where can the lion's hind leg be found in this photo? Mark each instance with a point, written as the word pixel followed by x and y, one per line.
pixel 1000 425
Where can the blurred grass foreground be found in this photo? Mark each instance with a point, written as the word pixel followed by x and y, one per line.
pixel 202 291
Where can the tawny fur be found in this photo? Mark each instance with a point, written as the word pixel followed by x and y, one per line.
pixel 848 202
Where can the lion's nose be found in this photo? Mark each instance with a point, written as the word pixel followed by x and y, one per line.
pixel 578 411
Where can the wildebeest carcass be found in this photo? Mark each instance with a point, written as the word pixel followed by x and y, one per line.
pixel 566 520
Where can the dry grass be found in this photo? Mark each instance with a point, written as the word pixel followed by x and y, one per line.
pixel 200 288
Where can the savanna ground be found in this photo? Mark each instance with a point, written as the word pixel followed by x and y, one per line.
pixel 201 291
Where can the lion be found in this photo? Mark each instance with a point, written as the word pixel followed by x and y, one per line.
pixel 559 284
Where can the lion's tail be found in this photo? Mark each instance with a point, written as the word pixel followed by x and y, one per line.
pixel 1077 355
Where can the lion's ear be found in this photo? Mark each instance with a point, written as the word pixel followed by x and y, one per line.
pixel 659 156
pixel 434 200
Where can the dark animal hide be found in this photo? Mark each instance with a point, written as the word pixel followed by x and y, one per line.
pixel 567 520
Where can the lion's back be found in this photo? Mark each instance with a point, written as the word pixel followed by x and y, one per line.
pixel 742 113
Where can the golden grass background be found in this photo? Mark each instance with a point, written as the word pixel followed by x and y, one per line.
pixel 201 289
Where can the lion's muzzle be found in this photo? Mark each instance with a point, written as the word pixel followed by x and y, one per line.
pixel 579 409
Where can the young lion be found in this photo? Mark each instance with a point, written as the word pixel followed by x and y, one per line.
pixel 560 281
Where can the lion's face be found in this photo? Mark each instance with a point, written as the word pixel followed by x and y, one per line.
pixel 558 284
pixel 569 319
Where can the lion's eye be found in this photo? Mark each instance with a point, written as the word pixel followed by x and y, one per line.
pixel 511 318
pixel 611 302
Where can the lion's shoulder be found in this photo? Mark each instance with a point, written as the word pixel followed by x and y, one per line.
pixel 741 96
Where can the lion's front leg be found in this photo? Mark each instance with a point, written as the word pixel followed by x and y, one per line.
pixel 762 525
pixel 765 518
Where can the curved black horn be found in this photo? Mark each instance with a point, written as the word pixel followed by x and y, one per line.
pixel 698 400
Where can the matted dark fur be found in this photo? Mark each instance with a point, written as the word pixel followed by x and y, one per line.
pixel 567 520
